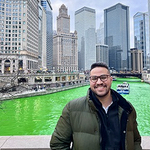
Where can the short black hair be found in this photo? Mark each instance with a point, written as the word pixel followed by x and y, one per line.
pixel 99 64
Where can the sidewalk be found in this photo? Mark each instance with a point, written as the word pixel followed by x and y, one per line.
pixel 41 142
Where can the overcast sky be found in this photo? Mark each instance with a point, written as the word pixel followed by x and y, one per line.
pixel 99 6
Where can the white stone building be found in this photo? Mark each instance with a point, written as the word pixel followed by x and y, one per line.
pixel 65 53
pixel 18 35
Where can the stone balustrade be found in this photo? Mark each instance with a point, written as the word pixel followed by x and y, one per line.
pixel 41 142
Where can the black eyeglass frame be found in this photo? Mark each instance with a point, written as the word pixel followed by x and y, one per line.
pixel 99 77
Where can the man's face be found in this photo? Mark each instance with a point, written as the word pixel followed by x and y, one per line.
pixel 101 87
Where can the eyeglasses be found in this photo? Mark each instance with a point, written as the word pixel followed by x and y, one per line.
pixel 103 78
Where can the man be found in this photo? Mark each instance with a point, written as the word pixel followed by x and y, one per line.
pixel 103 120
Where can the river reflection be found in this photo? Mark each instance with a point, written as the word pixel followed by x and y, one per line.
pixel 38 115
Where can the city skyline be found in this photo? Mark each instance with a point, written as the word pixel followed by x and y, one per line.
pixel 99 6
pixel 15 38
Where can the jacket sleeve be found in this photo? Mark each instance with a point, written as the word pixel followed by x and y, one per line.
pixel 137 137
pixel 62 135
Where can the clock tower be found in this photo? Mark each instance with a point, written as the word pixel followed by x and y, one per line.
pixel 65 49
pixel 63 20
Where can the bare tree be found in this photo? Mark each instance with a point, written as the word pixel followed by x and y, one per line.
pixel 9 86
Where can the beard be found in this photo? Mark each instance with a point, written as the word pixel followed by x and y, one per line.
pixel 103 94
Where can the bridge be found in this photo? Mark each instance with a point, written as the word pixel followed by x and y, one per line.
pixel 124 75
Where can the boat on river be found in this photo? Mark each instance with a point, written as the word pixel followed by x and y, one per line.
pixel 123 88
pixel 114 79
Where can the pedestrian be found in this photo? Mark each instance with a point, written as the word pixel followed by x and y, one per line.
pixel 102 120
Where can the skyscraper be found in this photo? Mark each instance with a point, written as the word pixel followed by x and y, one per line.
pixel 102 53
pixel 18 35
pixel 137 60
pixel 100 34
pixel 117 36
pixel 49 33
pixel 42 64
pixel 141 35
pixel 148 59
pixel 85 27
pixel 65 51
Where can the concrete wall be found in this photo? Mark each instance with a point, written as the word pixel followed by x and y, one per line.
pixel 41 142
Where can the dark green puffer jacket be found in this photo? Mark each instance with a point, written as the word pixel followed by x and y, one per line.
pixel 79 124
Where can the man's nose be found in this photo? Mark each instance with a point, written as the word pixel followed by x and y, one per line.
pixel 99 80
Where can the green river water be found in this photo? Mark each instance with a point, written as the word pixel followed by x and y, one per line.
pixel 38 115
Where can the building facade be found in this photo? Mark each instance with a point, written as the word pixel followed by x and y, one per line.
pixel 117 36
pixel 49 33
pixel 85 27
pixel 141 35
pixel 102 53
pixel 148 59
pixel 137 60
pixel 18 37
pixel 100 34
pixel 65 51
pixel 42 64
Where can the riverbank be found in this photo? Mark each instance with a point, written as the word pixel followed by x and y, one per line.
pixel 30 93
pixel 147 81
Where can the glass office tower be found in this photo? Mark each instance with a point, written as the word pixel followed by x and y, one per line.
pixel 149 34
pixel 141 35
pixel 85 27
pixel 49 33
pixel 117 36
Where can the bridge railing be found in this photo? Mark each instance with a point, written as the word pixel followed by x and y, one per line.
pixel 139 75
pixel 41 142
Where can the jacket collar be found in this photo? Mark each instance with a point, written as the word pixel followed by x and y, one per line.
pixel 122 102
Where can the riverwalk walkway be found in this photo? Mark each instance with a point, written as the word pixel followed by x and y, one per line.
pixel 41 142
pixel 22 94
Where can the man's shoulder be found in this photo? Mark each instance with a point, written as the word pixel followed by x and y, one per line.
pixel 78 103
pixel 78 100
